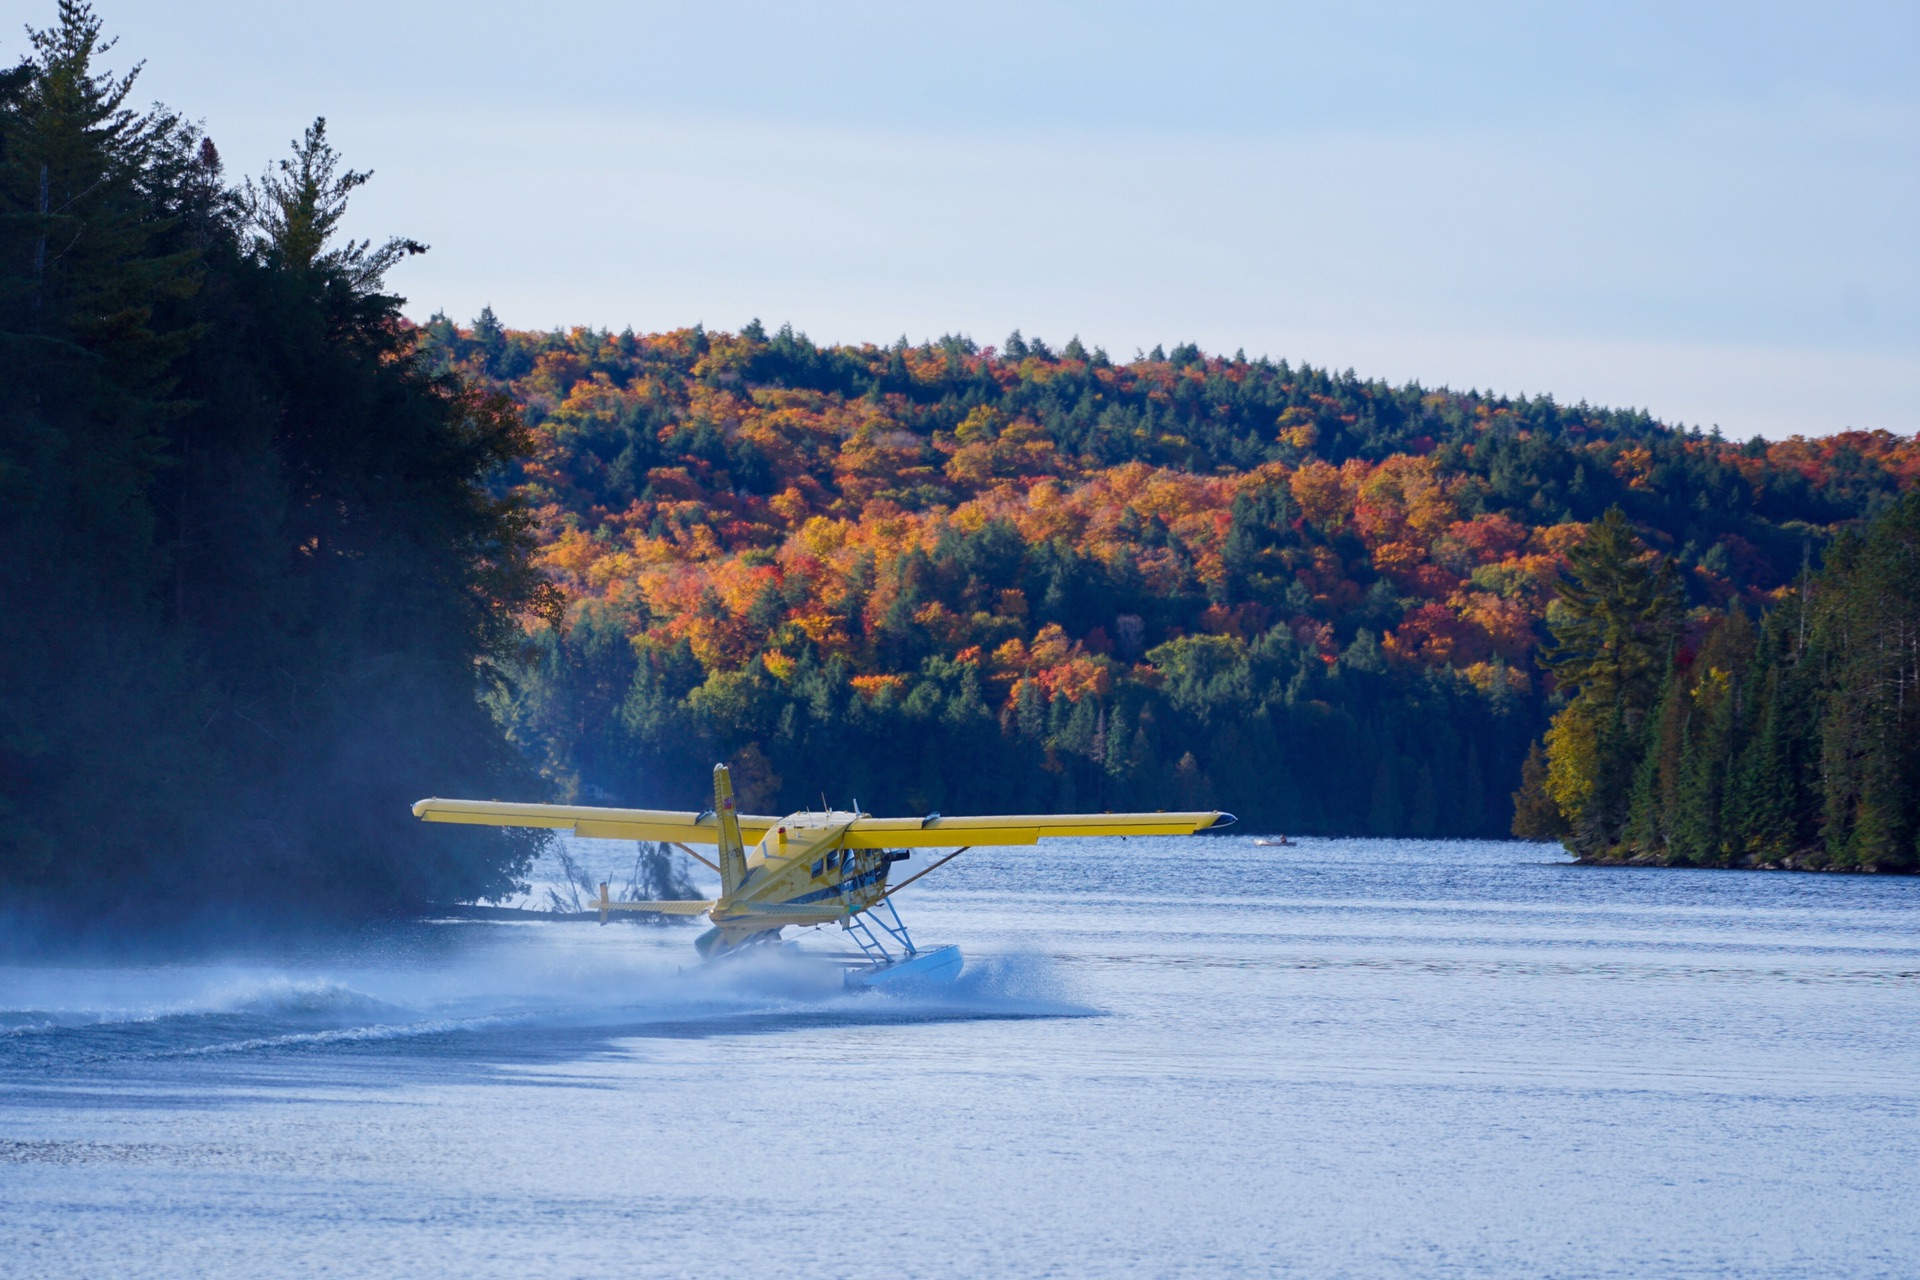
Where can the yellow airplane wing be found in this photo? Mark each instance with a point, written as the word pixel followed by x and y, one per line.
pixel 934 830
pixel 584 820
pixel 862 833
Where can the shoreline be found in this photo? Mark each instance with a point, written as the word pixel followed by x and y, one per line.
pixel 1806 863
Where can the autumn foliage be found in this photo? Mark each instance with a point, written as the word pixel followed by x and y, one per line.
pixel 956 576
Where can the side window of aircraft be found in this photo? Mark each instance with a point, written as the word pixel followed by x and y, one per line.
pixel 818 866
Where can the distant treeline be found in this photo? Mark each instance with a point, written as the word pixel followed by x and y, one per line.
pixel 250 572
pixel 1792 741
pixel 962 578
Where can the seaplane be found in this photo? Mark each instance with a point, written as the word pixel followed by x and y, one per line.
pixel 830 867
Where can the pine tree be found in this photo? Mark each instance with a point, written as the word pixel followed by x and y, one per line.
pixel 250 567
pixel 1867 623
pixel 296 210
pixel 1618 613
pixel 1615 618
pixel 97 275
pixel 1701 833
pixel 1773 802
pixel 1645 833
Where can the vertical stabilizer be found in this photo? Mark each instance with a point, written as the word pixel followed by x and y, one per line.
pixel 733 852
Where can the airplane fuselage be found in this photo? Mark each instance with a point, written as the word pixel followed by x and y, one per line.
pixel 802 873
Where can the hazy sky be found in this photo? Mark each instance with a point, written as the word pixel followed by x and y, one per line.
pixel 1712 211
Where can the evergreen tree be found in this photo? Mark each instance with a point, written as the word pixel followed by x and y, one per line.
pixel 251 572
pixel 1867 625
pixel 1535 815
pixel 1793 744
pixel 1616 617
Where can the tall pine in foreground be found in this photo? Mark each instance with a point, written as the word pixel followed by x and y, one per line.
pixel 252 582
pixel 98 279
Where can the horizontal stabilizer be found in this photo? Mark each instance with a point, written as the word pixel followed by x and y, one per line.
pixel 670 907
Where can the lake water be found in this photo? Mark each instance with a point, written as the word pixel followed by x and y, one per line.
pixel 1166 1058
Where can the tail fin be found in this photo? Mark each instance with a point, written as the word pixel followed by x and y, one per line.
pixel 733 851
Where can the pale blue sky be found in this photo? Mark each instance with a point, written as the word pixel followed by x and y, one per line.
pixel 1709 210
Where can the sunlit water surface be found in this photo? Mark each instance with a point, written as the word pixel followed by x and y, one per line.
pixel 1198 1057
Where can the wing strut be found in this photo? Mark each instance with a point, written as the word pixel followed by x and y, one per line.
pixel 932 866
pixel 711 866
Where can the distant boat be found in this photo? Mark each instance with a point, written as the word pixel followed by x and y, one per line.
pixel 1271 842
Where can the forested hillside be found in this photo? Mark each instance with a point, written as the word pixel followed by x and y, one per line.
pixel 250 572
pixel 963 578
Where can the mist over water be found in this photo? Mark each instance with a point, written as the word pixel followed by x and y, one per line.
pixel 1366 1058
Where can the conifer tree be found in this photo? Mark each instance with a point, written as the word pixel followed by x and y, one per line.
pixel 1868 626
pixel 251 572
pixel 1615 618
pixel 1535 815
